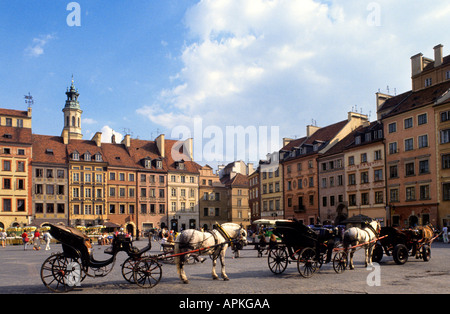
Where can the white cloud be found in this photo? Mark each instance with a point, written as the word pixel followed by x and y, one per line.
pixel 37 47
pixel 285 62
pixel 107 133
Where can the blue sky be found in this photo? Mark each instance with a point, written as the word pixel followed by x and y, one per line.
pixel 148 66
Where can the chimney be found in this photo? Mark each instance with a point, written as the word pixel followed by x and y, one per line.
pixel 438 57
pixel 311 129
pixel 98 139
pixel 127 141
pixel 287 140
pixel 160 143
pixel 113 138
pixel 65 136
pixel 416 64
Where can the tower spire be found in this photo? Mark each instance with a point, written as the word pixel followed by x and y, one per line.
pixel 72 113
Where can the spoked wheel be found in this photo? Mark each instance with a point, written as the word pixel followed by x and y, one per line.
pixel 307 263
pixel 61 274
pixel 278 260
pixel 377 254
pixel 147 273
pixel 127 269
pixel 340 262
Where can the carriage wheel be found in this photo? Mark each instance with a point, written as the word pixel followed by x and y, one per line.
pixel 61 274
pixel 340 262
pixel 127 269
pixel 277 260
pixel 377 254
pixel 307 263
pixel 426 253
pixel 400 254
pixel 147 273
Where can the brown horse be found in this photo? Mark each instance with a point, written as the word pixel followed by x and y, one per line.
pixel 419 237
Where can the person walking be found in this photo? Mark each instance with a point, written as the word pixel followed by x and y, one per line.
pixel 3 236
pixel 37 240
pixel 445 234
pixel 47 238
pixel 25 240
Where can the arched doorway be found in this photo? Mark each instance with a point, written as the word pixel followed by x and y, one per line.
pixel 341 214
pixel 413 220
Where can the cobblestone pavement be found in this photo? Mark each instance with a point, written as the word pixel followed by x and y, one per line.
pixel 20 273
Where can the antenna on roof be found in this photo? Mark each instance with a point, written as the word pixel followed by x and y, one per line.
pixel 387 89
pixel 29 100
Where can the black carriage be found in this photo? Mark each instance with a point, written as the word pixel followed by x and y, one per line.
pixel 400 244
pixel 61 272
pixel 308 247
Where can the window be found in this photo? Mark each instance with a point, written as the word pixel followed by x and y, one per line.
pixel 428 82
pixel 6 165
pixel 409 169
pixel 377 155
pixel 445 136
pixel 423 141
pixel 364 177
pixel 422 119
pixel 446 161
pixel 393 172
pixel 351 179
pixel 351 160
pixel 364 198
pixel 20 166
pixel 392 127
pixel 393 148
pixel 424 167
pixel 394 195
pixel 410 193
pixel 408 123
pixel 424 192
pixel 364 157
pixel 446 191
pixel 409 144
pixel 379 197
pixel 447 75
pixel 378 175
pixel 445 116
pixel 6 205
pixel 352 200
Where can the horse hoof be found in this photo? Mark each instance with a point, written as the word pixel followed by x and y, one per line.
pixel 226 279
pixel 185 282
pixel 215 278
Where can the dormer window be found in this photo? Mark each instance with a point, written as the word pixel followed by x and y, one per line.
pixel 148 163
pixel 98 157
pixel 180 165
pixel 75 155
pixel 49 151
pixel 358 140
pixel 159 164
pixel 87 156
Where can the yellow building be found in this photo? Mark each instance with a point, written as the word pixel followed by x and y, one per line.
pixel 271 187
pixel 15 167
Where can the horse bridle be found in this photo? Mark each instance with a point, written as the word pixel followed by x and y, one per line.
pixel 232 241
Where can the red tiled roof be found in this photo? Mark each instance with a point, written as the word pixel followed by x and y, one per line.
pixel 13 113
pixel 84 146
pixel 141 149
pixel 190 166
pixel 412 100
pixel 10 134
pixel 117 155
pixel 239 180
pixel 49 149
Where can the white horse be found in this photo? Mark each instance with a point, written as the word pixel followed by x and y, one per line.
pixel 356 236
pixel 213 243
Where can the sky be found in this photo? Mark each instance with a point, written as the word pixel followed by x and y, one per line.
pixel 264 69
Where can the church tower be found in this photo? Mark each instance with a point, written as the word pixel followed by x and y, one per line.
pixel 72 114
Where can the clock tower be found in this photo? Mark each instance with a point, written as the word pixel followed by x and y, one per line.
pixel 72 114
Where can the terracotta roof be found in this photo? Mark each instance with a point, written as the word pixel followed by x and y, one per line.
pixel 84 146
pixel 239 180
pixel 141 149
pixel 190 166
pixel 13 113
pixel 117 155
pixel 49 149
pixel 412 100
pixel 11 135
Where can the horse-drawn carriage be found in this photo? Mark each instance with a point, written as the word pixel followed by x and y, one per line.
pixel 61 272
pixel 308 247
pixel 402 243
